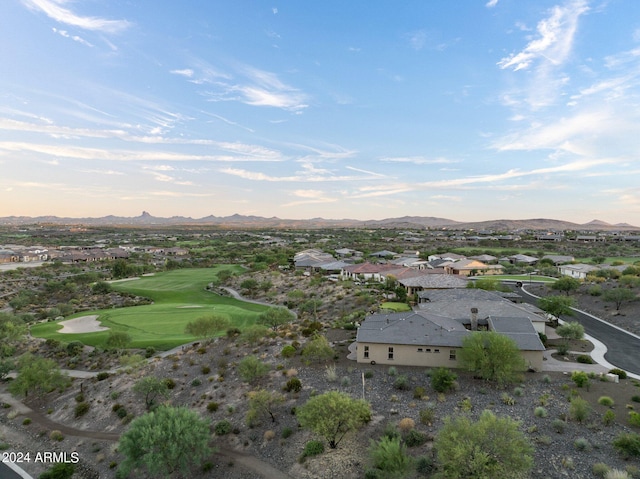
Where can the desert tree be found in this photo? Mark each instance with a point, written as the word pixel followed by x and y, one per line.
pixel 492 356
pixel 619 296
pixel 206 327
pixel 557 306
pixel 262 403
pixel 566 284
pixel 333 414
pixel 572 330
pixel 276 317
pixel 163 442
pixel 151 388
pixel 118 340
pixel 37 376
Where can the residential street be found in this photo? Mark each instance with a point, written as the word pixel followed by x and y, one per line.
pixel 623 348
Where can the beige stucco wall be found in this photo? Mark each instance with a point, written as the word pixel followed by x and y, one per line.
pixel 408 355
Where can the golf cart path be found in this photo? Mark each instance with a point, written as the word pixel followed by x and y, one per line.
pixel 263 469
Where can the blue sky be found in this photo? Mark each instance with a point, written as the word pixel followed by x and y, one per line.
pixel 468 110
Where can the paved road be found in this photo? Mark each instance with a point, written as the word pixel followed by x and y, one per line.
pixel 623 348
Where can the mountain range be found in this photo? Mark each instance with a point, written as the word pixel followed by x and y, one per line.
pixel 241 221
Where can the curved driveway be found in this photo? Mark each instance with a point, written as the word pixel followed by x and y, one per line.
pixel 623 348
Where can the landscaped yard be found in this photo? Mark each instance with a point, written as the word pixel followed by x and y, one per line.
pixel 178 296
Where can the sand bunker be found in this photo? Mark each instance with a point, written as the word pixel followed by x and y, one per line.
pixel 85 324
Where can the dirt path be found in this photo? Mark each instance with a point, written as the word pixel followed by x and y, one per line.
pixel 263 469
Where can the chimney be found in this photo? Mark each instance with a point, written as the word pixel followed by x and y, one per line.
pixel 474 319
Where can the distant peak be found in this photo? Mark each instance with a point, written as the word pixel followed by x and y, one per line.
pixel 145 214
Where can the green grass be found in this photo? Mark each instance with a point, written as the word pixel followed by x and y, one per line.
pixel 397 307
pixel 179 297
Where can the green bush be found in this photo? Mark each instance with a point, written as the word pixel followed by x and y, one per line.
pixel 584 359
pixel 605 401
pixel 415 438
pixel 401 383
pixel 60 470
pixel 600 469
pixel 122 413
pixel 81 409
pixel 619 372
pixel 581 444
pixel 425 466
pixel 251 368
pixel 287 432
pixel 293 385
pixel 540 412
pixel 222 428
pixel 635 398
pixel 389 456
pixel 579 409
pixel 101 376
pixel 288 351
pixel 580 378
pixel 170 383
pixel 419 392
pixel 443 380
pixel 212 406
pixel 427 415
pixel 313 448
pixel 558 425
pixel 634 418
pixel 393 371
pixel 608 418
pixel 628 444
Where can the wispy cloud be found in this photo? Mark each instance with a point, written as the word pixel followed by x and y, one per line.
pixel 310 197
pixel 418 160
pixel 75 38
pixel 491 3
pixel 54 9
pixel 554 40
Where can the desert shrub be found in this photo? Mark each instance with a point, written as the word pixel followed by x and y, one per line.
pixel 101 376
pixel 580 378
pixel 122 413
pixel 617 474
pixel 269 435
pixel 313 448
pixel 608 418
pixel 286 432
pixel 540 412
pixel 628 444
pixel 222 428
pixel 26 421
pixel 392 371
pixel 330 373
pixel 56 435
pixel 390 457
pixel 196 382
pixel 619 372
pixel 584 359
pixel 170 383
pixel 79 397
pixel 60 470
pixel 368 374
pixel 425 465
pixel 443 380
pixel 406 424
pixel 599 469
pixel 605 401
pixel 205 369
pixel 288 351
pixel 415 438
pixel 401 383
pixel 150 351
pixel 558 425
pixel 635 398
pixel 345 381
pixel 81 409
pixel 293 385
pixel 419 392
pixel 581 444
pixel 634 418
pixel 579 409
pixel 427 415
pixel 518 392
pixel 251 368
pixel 212 406
pixel 506 399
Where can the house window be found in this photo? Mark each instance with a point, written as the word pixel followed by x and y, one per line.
pixel 366 352
pixel 390 353
pixel 452 354
pixel 436 350
pixel 419 350
pixel 428 350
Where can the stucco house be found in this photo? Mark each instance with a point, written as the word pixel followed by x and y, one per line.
pixel 432 335
pixel 578 271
